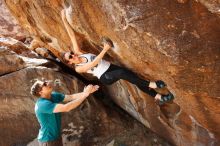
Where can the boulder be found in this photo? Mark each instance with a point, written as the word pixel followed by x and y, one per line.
pixel 174 41
pixel 11 62
pixel 95 122
pixel 9 26
pixel 18 47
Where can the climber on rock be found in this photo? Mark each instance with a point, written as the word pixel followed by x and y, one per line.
pixel 50 105
pixel 106 72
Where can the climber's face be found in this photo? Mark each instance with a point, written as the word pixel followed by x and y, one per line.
pixel 46 89
pixel 72 58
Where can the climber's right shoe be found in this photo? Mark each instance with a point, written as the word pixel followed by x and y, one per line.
pixel 160 84
pixel 108 41
pixel 166 98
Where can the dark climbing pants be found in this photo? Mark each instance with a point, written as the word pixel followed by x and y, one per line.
pixel 115 73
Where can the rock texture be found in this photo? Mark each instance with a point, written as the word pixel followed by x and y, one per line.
pixel 9 26
pixel 93 123
pixel 175 41
pixel 212 5
pixel 17 47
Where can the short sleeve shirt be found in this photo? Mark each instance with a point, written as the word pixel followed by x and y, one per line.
pixel 50 123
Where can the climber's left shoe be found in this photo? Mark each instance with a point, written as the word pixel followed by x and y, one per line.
pixel 160 84
pixel 166 98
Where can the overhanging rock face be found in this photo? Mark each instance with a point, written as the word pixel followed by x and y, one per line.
pixel 175 41
pixel 94 122
pixel 9 26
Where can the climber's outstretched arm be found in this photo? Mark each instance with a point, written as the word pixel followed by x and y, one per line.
pixel 71 34
pixel 88 66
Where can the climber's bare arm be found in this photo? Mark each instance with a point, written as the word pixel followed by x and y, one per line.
pixel 71 34
pixel 88 66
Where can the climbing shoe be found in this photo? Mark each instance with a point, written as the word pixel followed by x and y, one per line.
pixel 108 41
pixel 160 84
pixel 166 98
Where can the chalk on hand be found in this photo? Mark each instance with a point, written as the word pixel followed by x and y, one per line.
pixel 57 82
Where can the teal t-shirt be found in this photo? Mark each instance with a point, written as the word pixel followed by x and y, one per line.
pixel 50 122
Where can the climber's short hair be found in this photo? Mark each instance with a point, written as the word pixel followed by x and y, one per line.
pixel 36 88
